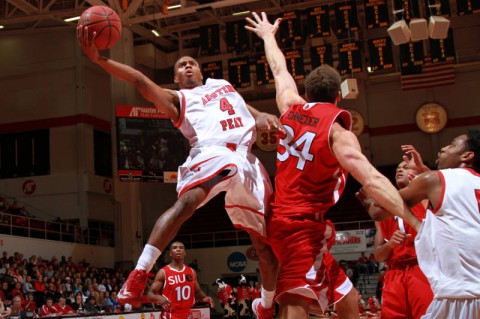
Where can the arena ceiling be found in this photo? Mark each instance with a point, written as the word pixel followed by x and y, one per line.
pixel 178 28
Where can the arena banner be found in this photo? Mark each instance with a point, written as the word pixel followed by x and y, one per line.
pixel 349 241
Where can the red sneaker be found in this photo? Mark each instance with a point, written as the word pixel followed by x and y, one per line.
pixel 261 312
pixel 132 289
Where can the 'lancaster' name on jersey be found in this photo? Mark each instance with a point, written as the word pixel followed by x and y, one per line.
pixel 223 90
pixel 178 279
pixel 231 123
pixel 302 118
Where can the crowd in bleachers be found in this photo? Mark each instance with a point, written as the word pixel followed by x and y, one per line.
pixel 56 287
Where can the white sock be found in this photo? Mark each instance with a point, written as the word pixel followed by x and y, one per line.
pixel 148 258
pixel 267 298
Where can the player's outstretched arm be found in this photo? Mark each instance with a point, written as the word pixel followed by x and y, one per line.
pixel 347 150
pixel 426 186
pixel 285 86
pixel 166 100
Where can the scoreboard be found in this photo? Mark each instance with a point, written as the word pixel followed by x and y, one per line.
pixel 212 70
pixel 239 72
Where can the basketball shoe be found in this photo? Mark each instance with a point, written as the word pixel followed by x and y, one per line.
pixel 261 312
pixel 132 289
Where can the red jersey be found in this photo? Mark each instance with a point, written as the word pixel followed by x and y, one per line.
pixel 225 294
pixel 179 288
pixel 243 292
pixel 63 310
pixel 309 178
pixel 389 226
pixel 46 310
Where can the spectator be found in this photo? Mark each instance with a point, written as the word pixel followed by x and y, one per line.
pixel 68 284
pixel 91 305
pixel 362 264
pixel 4 310
pixel 78 304
pixel 4 259
pixel 17 291
pixel 62 307
pixel 6 293
pixel 40 289
pixel 30 302
pixel 4 268
pixel 16 307
pixel 48 309
pixel 113 301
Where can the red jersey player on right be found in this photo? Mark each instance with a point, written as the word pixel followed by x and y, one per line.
pixel 313 161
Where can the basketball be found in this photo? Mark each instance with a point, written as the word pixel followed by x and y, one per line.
pixel 105 23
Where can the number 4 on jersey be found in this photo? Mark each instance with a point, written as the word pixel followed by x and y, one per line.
pixel 225 106
pixel 299 148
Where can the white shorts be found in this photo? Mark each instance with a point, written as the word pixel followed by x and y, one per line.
pixel 453 308
pixel 247 184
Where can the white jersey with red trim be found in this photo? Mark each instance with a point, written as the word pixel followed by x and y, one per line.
pixel 447 242
pixel 215 114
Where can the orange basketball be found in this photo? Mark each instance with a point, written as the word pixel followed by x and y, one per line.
pixel 105 23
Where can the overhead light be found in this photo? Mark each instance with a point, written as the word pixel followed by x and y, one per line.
pixel 2 27
pixel 369 69
pixel 176 6
pixel 72 19
pixel 242 13
pixel 155 32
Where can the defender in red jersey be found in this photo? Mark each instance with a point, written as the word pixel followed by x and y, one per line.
pixel 176 288
pixel 312 164
pixel 406 291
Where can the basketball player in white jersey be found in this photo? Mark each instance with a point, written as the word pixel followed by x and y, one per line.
pixel 447 240
pixel 221 129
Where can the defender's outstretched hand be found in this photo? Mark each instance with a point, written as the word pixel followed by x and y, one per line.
pixel 261 26
pixel 416 161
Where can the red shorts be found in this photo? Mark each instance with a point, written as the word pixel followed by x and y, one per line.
pixel 406 293
pixel 307 268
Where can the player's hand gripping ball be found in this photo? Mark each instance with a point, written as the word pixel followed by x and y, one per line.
pixel 105 23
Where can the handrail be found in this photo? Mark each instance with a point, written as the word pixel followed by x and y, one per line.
pixel 24 226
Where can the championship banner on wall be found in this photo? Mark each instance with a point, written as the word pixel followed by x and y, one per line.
pixel 351 241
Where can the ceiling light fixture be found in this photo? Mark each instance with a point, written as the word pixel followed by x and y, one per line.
pixel 176 6
pixel 72 19
pixel 241 13
pixel 155 33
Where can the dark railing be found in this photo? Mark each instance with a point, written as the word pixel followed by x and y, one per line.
pixel 24 226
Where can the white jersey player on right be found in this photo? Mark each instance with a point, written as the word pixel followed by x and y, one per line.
pixel 447 240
